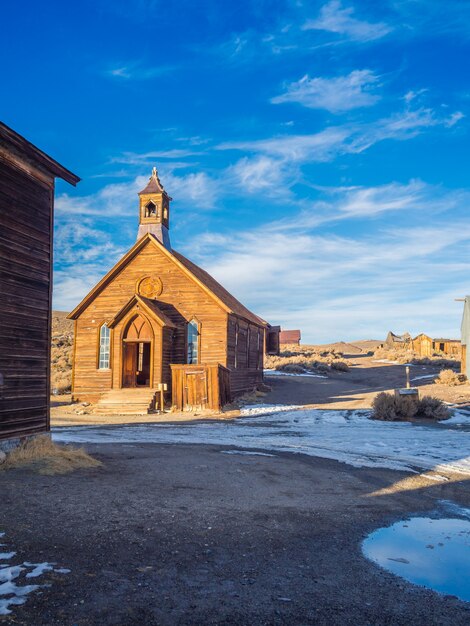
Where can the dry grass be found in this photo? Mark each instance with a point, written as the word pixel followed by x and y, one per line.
pixel 391 408
pixel 45 457
pixel 450 378
pixel 301 359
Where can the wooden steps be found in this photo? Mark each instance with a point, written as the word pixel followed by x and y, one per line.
pixel 127 402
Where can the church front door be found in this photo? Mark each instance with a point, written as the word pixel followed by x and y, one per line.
pixel 136 364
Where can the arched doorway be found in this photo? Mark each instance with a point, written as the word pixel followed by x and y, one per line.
pixel 137 343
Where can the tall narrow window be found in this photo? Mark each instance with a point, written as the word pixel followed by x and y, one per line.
pixel 103 361
pixel 193 342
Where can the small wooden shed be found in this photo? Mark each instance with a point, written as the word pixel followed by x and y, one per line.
pixel 423 345
pixel 26 225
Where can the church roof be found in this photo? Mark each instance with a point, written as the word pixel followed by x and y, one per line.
pixel 225 299
pixel 233 304
pixel 154 185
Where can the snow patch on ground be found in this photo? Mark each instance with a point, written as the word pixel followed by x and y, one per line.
pixel 346 436
pixel 280 373
pixel 246 453
pixel 268 409
pixel 14 594
pixel 423 377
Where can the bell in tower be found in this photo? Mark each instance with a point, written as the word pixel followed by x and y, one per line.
pixel 154 211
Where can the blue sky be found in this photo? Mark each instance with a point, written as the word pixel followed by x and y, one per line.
pixel 317 152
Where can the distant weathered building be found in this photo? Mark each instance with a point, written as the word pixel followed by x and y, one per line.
pixel 26 223
pixel 451 347
pixel 289 337
pixel 398 341
pixel 424 345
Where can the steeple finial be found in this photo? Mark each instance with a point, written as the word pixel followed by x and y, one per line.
pixel 154 172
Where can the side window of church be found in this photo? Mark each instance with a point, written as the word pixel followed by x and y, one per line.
pixel 193 342
pixel 103 360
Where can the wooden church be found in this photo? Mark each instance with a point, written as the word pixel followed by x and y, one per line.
pixel 159 328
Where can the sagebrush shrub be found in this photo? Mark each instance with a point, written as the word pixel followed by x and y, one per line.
pixel 389 407
pixel 450 378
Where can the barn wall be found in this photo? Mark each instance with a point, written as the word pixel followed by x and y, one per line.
pixel 25 282
pixel 181 300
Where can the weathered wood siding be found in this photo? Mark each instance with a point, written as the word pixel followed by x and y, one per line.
pixel 245 345
pixel 181 300
pixel 25 284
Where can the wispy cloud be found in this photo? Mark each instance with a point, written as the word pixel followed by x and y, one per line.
pixel 336 95
pixel 146 158
pixel 382 279
pixel 336 19
pixel 345 139
pixel 136 71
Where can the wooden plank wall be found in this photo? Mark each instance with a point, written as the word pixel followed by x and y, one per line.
pixel 245 349
pixel 25 282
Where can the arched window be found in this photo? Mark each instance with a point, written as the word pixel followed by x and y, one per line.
pixel 103 360
pixel 193 342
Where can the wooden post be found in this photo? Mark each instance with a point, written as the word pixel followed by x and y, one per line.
pixel 407 369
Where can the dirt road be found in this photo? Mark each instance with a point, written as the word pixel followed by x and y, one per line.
pixel 182 534
pixel 357 388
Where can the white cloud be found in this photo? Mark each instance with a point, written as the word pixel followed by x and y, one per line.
pixel 350 287
pixel 336 19
pixel 119 199
pixel 333 94
pixel 196 189
pixel 260 174
pixel 344 139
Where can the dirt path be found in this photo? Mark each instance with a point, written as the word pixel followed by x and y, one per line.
pixel 357 388
pixel 187 535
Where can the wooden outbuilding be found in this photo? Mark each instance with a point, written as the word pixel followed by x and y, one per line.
pixel 423 345
pixel 291 337
pixel 27 178
pixel 158 322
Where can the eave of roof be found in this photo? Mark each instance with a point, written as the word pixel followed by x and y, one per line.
pixel 22 146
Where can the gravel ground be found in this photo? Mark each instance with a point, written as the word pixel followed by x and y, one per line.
pixel 180 534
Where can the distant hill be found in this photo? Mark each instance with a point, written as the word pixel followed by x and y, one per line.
pixel 351 347
pixel 61 353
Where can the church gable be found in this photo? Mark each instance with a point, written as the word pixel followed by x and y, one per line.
pixel 149 273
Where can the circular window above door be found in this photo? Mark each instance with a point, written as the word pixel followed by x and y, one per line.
pixel 150 287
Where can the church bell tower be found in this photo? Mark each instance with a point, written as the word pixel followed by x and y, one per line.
pixel 154 211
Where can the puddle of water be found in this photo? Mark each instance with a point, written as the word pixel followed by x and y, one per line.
pixel 433 553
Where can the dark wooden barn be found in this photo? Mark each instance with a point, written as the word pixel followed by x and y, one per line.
pixel 27 178
pixel 158 322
